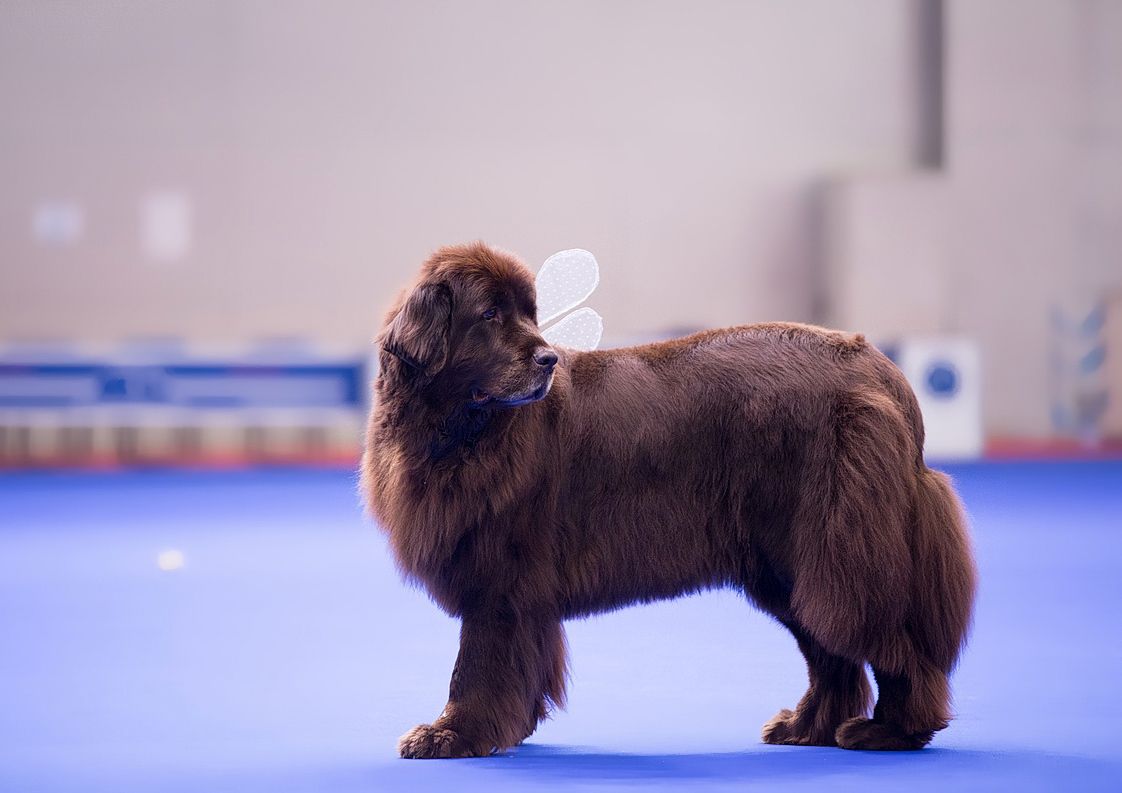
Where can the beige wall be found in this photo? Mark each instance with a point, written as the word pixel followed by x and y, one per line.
pixel 1024 219
pixel 329 146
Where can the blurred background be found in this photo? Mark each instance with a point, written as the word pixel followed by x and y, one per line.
pixel 205 207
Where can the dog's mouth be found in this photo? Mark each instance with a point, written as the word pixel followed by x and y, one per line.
pixel 481 398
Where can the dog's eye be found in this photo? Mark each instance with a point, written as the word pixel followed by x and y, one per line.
pixel 490 313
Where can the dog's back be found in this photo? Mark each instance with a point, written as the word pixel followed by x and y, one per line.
pixel 715 450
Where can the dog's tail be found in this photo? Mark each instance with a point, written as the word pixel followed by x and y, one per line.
pixel 944 577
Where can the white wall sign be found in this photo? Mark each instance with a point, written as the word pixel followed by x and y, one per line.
pixel 946 374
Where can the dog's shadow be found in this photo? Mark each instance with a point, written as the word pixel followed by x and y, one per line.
pixel 999 770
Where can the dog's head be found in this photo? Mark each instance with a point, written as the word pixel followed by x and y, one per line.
pixel 467 331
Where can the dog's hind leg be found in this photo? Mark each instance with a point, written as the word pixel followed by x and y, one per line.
pixel 912 666
pixel 850 587
pixel 509 671
pixel 839 691
pixel 911 707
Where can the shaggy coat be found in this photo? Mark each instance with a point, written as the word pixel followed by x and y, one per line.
pixel 522 486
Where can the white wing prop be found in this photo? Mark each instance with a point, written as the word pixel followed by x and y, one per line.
pixel 563 283
pixel 581 330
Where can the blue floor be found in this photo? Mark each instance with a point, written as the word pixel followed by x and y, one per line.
pixel 287 656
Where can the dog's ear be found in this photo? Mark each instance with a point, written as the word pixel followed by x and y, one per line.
pixel 418 334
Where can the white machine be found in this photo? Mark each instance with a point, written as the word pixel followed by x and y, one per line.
pixel 946 374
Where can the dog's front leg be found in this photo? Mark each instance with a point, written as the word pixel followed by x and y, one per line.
pixel 509 669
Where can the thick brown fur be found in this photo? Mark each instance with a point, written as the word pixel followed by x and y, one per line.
pixel 522 486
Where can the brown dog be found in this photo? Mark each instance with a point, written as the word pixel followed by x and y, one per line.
pixel 523 486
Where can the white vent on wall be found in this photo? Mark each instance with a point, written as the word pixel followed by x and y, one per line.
pixel 165 225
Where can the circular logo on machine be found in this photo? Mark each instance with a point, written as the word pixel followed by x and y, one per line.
pixel 942 379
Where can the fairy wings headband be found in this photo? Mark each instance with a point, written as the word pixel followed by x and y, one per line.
pixel 563 283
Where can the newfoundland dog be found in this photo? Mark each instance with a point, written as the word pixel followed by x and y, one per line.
pixel 523 485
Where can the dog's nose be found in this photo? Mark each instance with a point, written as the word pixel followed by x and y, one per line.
pixel 545 357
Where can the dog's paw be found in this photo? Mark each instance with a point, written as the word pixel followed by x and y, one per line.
pixel 787 728
pixel 866 734
pixel 427 742
pixel 778 730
